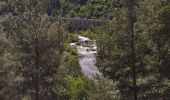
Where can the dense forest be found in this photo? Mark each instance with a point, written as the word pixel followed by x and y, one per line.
pixel 132 42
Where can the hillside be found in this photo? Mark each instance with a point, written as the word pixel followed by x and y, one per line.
pixel 85 50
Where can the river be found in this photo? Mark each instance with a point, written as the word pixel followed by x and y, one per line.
pixel 87 59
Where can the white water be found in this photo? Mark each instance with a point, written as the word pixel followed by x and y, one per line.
pixel 87 62
pixel 87 58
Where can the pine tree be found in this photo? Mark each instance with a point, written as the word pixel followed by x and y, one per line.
pixel 159 34
pixel 8 79
pixel 132 20
pixel 38 47
pixel 122 50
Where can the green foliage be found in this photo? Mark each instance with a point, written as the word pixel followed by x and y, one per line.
pixel 87 33
pixel 97 9
pixel 160 37
pixel 72 14
pixel 35 57
pixel 81 8
pixel 9 81
pixel 104 90
pixel 151 49
pixel 71 64
pixel 2 6
pixel 74 88
pixel 72 38
pixel 37 49
pixel 84 89
pixel 78 87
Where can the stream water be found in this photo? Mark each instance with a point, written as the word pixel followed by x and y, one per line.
pixel 87 59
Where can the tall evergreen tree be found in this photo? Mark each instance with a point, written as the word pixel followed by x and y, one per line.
pixel 38 47
pixel 159 34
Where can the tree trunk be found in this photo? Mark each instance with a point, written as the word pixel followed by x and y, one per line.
pixel 133 62
pixel 37 71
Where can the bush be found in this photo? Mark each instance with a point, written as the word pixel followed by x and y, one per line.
pixel 87 33
pixel 72 38
pixel 71 50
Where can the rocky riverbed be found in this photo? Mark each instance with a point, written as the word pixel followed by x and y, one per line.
pixel 86 51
